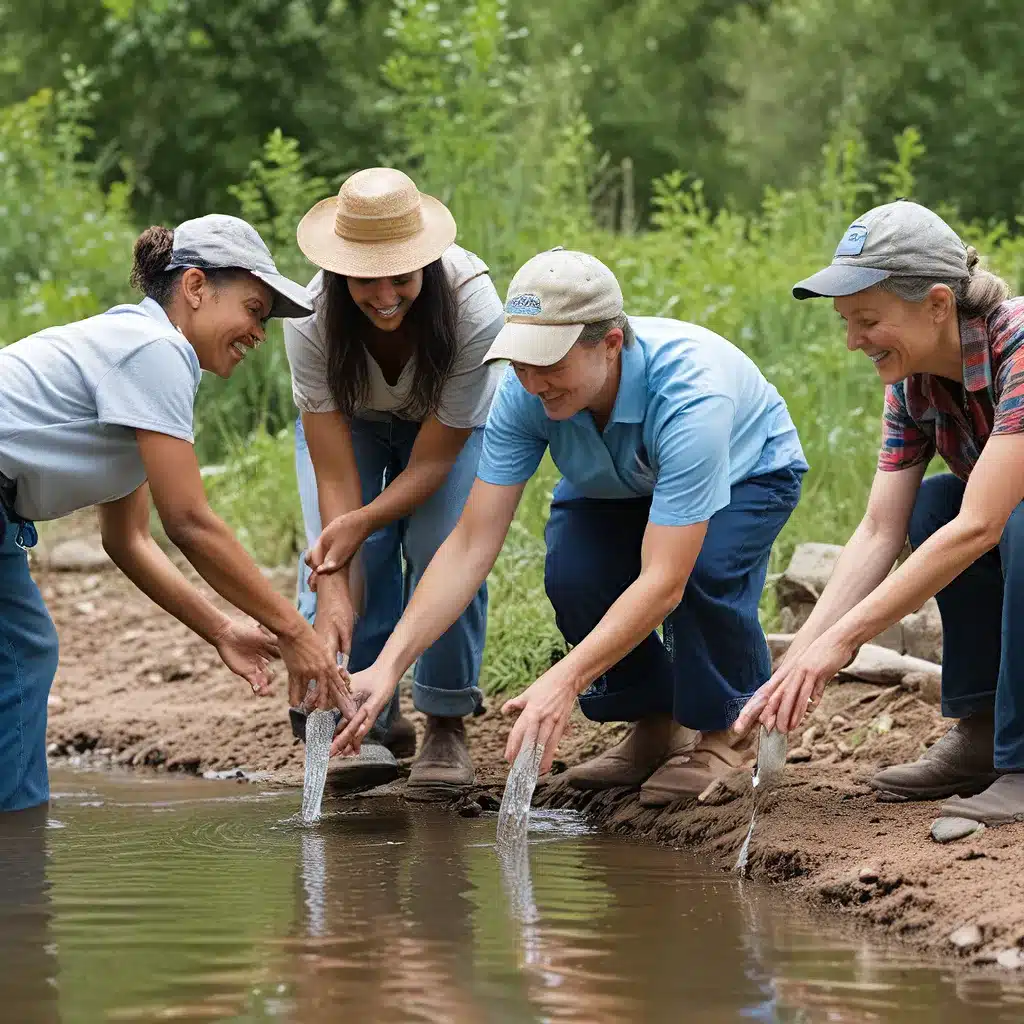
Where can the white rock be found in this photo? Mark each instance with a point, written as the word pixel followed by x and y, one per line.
pixel 966 938
pixel 78 556
pixel 54 702
pixel 807 573
pixel 948 830
pixel 1010 959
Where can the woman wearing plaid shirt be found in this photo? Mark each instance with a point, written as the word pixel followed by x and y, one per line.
pixel 948 344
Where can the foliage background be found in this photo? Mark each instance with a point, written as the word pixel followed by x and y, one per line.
pixel 710 152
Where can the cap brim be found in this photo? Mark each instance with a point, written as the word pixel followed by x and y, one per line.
pixel 838 279
pixel 533 344
pixel 322 246
pixel 290 298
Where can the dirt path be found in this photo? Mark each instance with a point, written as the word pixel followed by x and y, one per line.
pixel 135 687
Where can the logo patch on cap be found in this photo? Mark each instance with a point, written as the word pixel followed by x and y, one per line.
pixel 853 241
pixel 526 304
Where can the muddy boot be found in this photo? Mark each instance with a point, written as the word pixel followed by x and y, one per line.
pixel 690 769
pixel 960 764
pixel 444 769
pixel 400 738
pixel 630 761
pixel 374 765
pixel 1000 804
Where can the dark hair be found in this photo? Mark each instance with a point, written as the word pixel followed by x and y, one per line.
pixel 432 319
pixel 150 275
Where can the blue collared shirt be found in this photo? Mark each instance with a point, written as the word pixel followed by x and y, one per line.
pixel 692 417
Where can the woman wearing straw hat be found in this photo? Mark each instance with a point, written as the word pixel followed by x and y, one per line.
pixel 99 412
pixel 388 377
pixel 948 344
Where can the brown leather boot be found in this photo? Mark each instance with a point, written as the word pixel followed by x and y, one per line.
pixel 400 739
pixel 960 764
pixel 691 768
pixel 444 769
pixel 630 761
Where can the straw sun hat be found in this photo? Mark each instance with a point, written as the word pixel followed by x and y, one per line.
pixel 378 225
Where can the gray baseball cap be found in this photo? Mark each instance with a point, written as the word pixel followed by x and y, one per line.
pixel 217 242
pixel 901 239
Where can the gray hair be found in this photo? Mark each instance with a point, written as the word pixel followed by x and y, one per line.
pixel 595 332
pixel 976 295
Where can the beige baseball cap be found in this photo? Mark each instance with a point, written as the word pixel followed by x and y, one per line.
pixel 550 300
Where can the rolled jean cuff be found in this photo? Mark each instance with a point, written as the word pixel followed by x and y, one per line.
pixel 961 707
pixel 446 703
pixel 625 704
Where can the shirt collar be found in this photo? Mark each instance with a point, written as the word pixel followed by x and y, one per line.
pixel 156 311
pixel 631 399
pixel 975 354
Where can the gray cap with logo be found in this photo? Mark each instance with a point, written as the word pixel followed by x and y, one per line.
pixel 901 239
pixel 218 242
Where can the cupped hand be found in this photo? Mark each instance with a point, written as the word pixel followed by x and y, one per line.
pixel 247 650
pixel 796 687
pixel 371 690
pixel 544 709
pixel 308 658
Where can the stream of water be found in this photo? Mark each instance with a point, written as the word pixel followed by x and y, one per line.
pixel 152 898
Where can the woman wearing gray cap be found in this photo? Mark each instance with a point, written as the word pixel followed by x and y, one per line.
pixel 393 394
pixel 948 344
pixel 99 412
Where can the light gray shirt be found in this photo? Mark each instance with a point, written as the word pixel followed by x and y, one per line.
pixel 467 393
pixel 71 398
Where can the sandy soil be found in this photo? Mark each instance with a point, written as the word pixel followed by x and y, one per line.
pixel 135 687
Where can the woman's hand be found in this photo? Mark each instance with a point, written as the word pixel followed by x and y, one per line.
pixel 544 710
pixel 797 686
pixel 371 690
pixel 336 545
pixel 307 659
pixel 247 650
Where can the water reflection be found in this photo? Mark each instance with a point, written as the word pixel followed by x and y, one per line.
pixel 28 962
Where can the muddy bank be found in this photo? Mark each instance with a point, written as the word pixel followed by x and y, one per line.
pixel 136 688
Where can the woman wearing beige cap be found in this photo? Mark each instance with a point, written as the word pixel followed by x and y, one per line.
pixel 948 345
pixel 388 377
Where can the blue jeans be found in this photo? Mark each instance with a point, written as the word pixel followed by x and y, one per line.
pixel 28 663
pixel 446 676
pixel 714 654
pixel 982 609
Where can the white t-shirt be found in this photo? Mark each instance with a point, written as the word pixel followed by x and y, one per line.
pixel 72 396
pixel 469 388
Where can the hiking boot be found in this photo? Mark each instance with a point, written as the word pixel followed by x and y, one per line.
pixel 1000 804
pixel 400 738
pixel 630 761
pixel 444 769
pixel 960 764
pixel 373 766
pixel 689 770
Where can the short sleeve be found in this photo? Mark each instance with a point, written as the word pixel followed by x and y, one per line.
pixel 1009 388
pixel 513 445
pixel 691 457
pixel 467 393
pixel 306 349
pixel 152 388
pixel 904 443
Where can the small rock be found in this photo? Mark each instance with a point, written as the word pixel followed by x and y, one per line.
pixel 53 750
pixel 868 875
pixel 1011 959
pixel 469 809
pixel 967 938
pixel 154 677
pixel 86 608
pixel 947 830
pixel 810 735
pixel 844 748
pixel 798 756
pixel 837 721
pixel 882 724
pixel 807 573
pixel 54 703
pixel 78 556
pixel 927 686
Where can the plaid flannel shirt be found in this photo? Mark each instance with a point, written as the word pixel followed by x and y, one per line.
pixel 925 413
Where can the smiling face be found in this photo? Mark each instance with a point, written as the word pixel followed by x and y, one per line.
pixel 226 317
pixel 584 378
pixel 901 337
pixel 386 300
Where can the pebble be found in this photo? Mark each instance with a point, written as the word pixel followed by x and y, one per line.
pixel 837 721
pixel 86 608
pixel 947 830
pixel 1010 959
pixel 882 724
pixel 966 938
pixel 810 735
pixel 78 556
pixel 470 809
pixel 54 703
pixel 868 875
pixel 798 756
